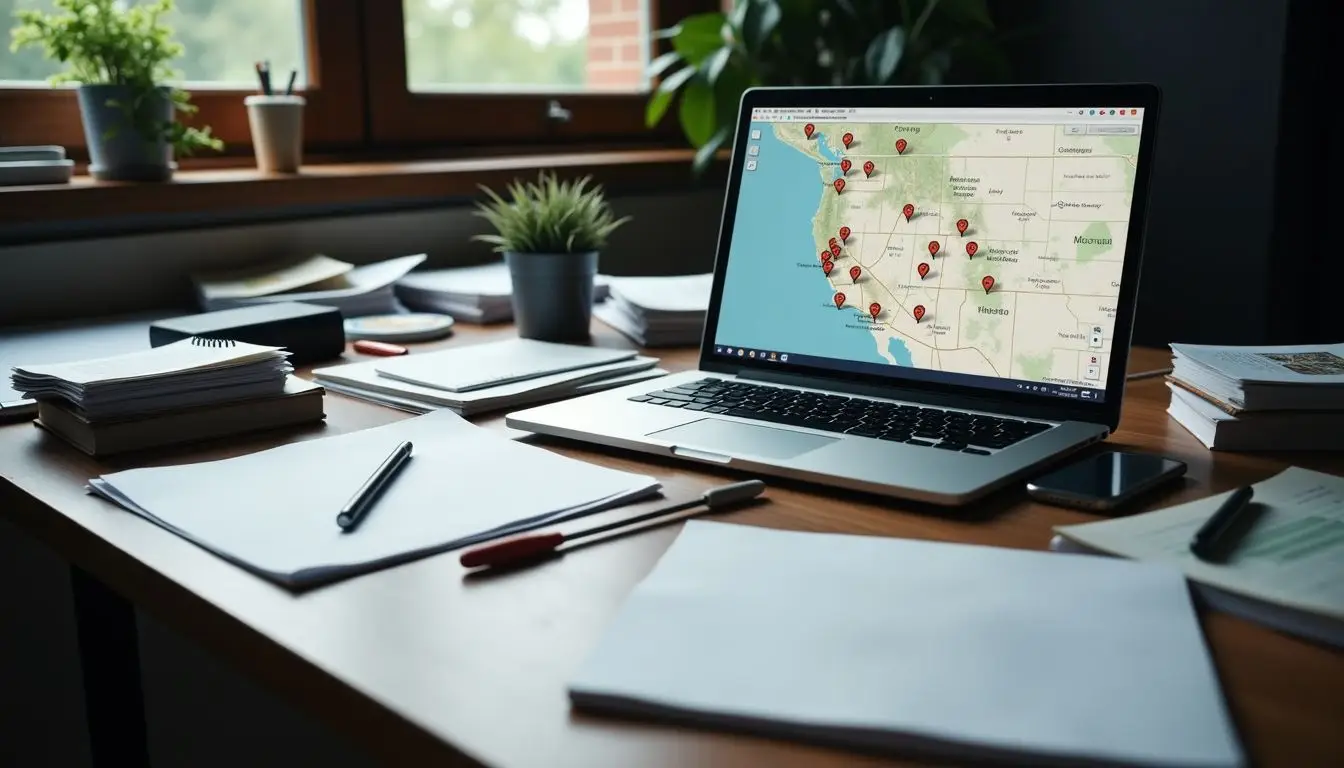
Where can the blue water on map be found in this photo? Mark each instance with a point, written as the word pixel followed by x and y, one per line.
pixel 769 302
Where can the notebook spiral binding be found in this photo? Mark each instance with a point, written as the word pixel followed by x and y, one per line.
pixel 201 341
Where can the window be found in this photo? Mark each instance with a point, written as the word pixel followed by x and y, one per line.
pixel 389 74
pixel 526 45
pixel 221 41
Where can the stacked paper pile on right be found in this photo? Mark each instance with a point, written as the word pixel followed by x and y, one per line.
pixel 658 311
pixel 1260 398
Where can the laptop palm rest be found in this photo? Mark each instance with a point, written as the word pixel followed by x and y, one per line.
pixel 712 439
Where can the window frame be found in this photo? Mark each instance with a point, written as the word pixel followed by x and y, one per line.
pixel 359 101
pixel 399 116
pixel 334 92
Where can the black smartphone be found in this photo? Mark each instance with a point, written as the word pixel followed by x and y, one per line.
pixel 1105 481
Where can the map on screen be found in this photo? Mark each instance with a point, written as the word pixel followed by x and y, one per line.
pixel 975 243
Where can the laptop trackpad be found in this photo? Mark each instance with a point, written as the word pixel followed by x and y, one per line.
pixel 733 438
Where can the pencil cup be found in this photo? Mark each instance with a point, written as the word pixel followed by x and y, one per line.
pixel 277 131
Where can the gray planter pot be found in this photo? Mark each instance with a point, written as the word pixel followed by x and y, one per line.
pixel 552 294
pixel 117 151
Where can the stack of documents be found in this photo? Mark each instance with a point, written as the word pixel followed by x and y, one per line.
pixel 658 311
pixel 486 377
pixel 1286 570
pixel 274 512
pixel 903 646
pixel 186 373
pixel 1260 398
pixel 188 390
pixel 480 294
pixel 355 291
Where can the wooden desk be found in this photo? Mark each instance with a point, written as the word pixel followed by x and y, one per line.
pixel 418 664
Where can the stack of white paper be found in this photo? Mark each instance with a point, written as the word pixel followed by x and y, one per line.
pixel 896 645
pixel 355 291
pixel 187 373
pixel 658 311
pixel 274 512
pixel 479 294
pixel 474 379
pixel 1260 398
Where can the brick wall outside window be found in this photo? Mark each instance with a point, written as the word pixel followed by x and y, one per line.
pixel 618 36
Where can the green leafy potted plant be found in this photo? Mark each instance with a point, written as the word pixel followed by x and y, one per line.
pixel 550 233
pixel 119 54
pixel 717 56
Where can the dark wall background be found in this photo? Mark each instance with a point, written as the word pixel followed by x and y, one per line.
pixel 1220 66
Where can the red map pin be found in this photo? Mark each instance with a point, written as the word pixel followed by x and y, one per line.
pixel 854 273
pixel 971 248
pixel 826 255
pixel 874 309
pixel 908 210
pixel 988 282
pixel 918 312
pixel 832 241
pixel 844 234
pixel 848 139
pixel 845 165
pixel 827 266
pixel 835 250
pixel 923 270
pixel 933 247
pixel 868 168
pixel 900 146
pixel 962 224
pixel 839 185
pixel 808 130
pixel 839 300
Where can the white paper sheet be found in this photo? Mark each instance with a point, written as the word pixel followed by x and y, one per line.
pixel 274 512
pixel 896 644
pixel 463 369
pixel 1293 556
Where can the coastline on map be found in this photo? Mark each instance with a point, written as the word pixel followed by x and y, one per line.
pixel 787 302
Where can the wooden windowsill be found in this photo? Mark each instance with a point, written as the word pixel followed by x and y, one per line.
pixel 86 207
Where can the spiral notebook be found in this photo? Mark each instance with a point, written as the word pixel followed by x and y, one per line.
pixel 191 372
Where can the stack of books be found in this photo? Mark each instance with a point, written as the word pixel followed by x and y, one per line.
pixel 355 291
pixel 190 390
pixel 658 311
pixel 487 377
pixel 479 294
pixel 1260 398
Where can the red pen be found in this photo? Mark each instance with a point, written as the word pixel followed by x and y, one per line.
pixel 379 348
pixel 533 545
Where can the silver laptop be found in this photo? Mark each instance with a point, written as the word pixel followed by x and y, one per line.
pixel 919 292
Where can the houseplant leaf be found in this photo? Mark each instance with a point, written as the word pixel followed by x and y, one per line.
pixel 884 55
pixel 662 96
pixel 698 36
pixel 697 112
pixel 759 23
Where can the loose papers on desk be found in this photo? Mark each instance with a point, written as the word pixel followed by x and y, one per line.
pixel 274 512
pixel 1287 570
pixel 355 291
pixel 363 381
pixel 658 311
pixel 482 377
pixel 891 644
pixel 476 294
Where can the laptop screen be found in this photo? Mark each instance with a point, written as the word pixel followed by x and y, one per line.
pixel 972 246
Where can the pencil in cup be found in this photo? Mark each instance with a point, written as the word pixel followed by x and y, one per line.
pixel 276 122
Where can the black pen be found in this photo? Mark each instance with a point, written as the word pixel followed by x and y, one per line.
pixel 359 505
pixel 293 75
pixel 1214 538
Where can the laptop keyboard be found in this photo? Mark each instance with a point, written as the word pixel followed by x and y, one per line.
pixel 912 424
